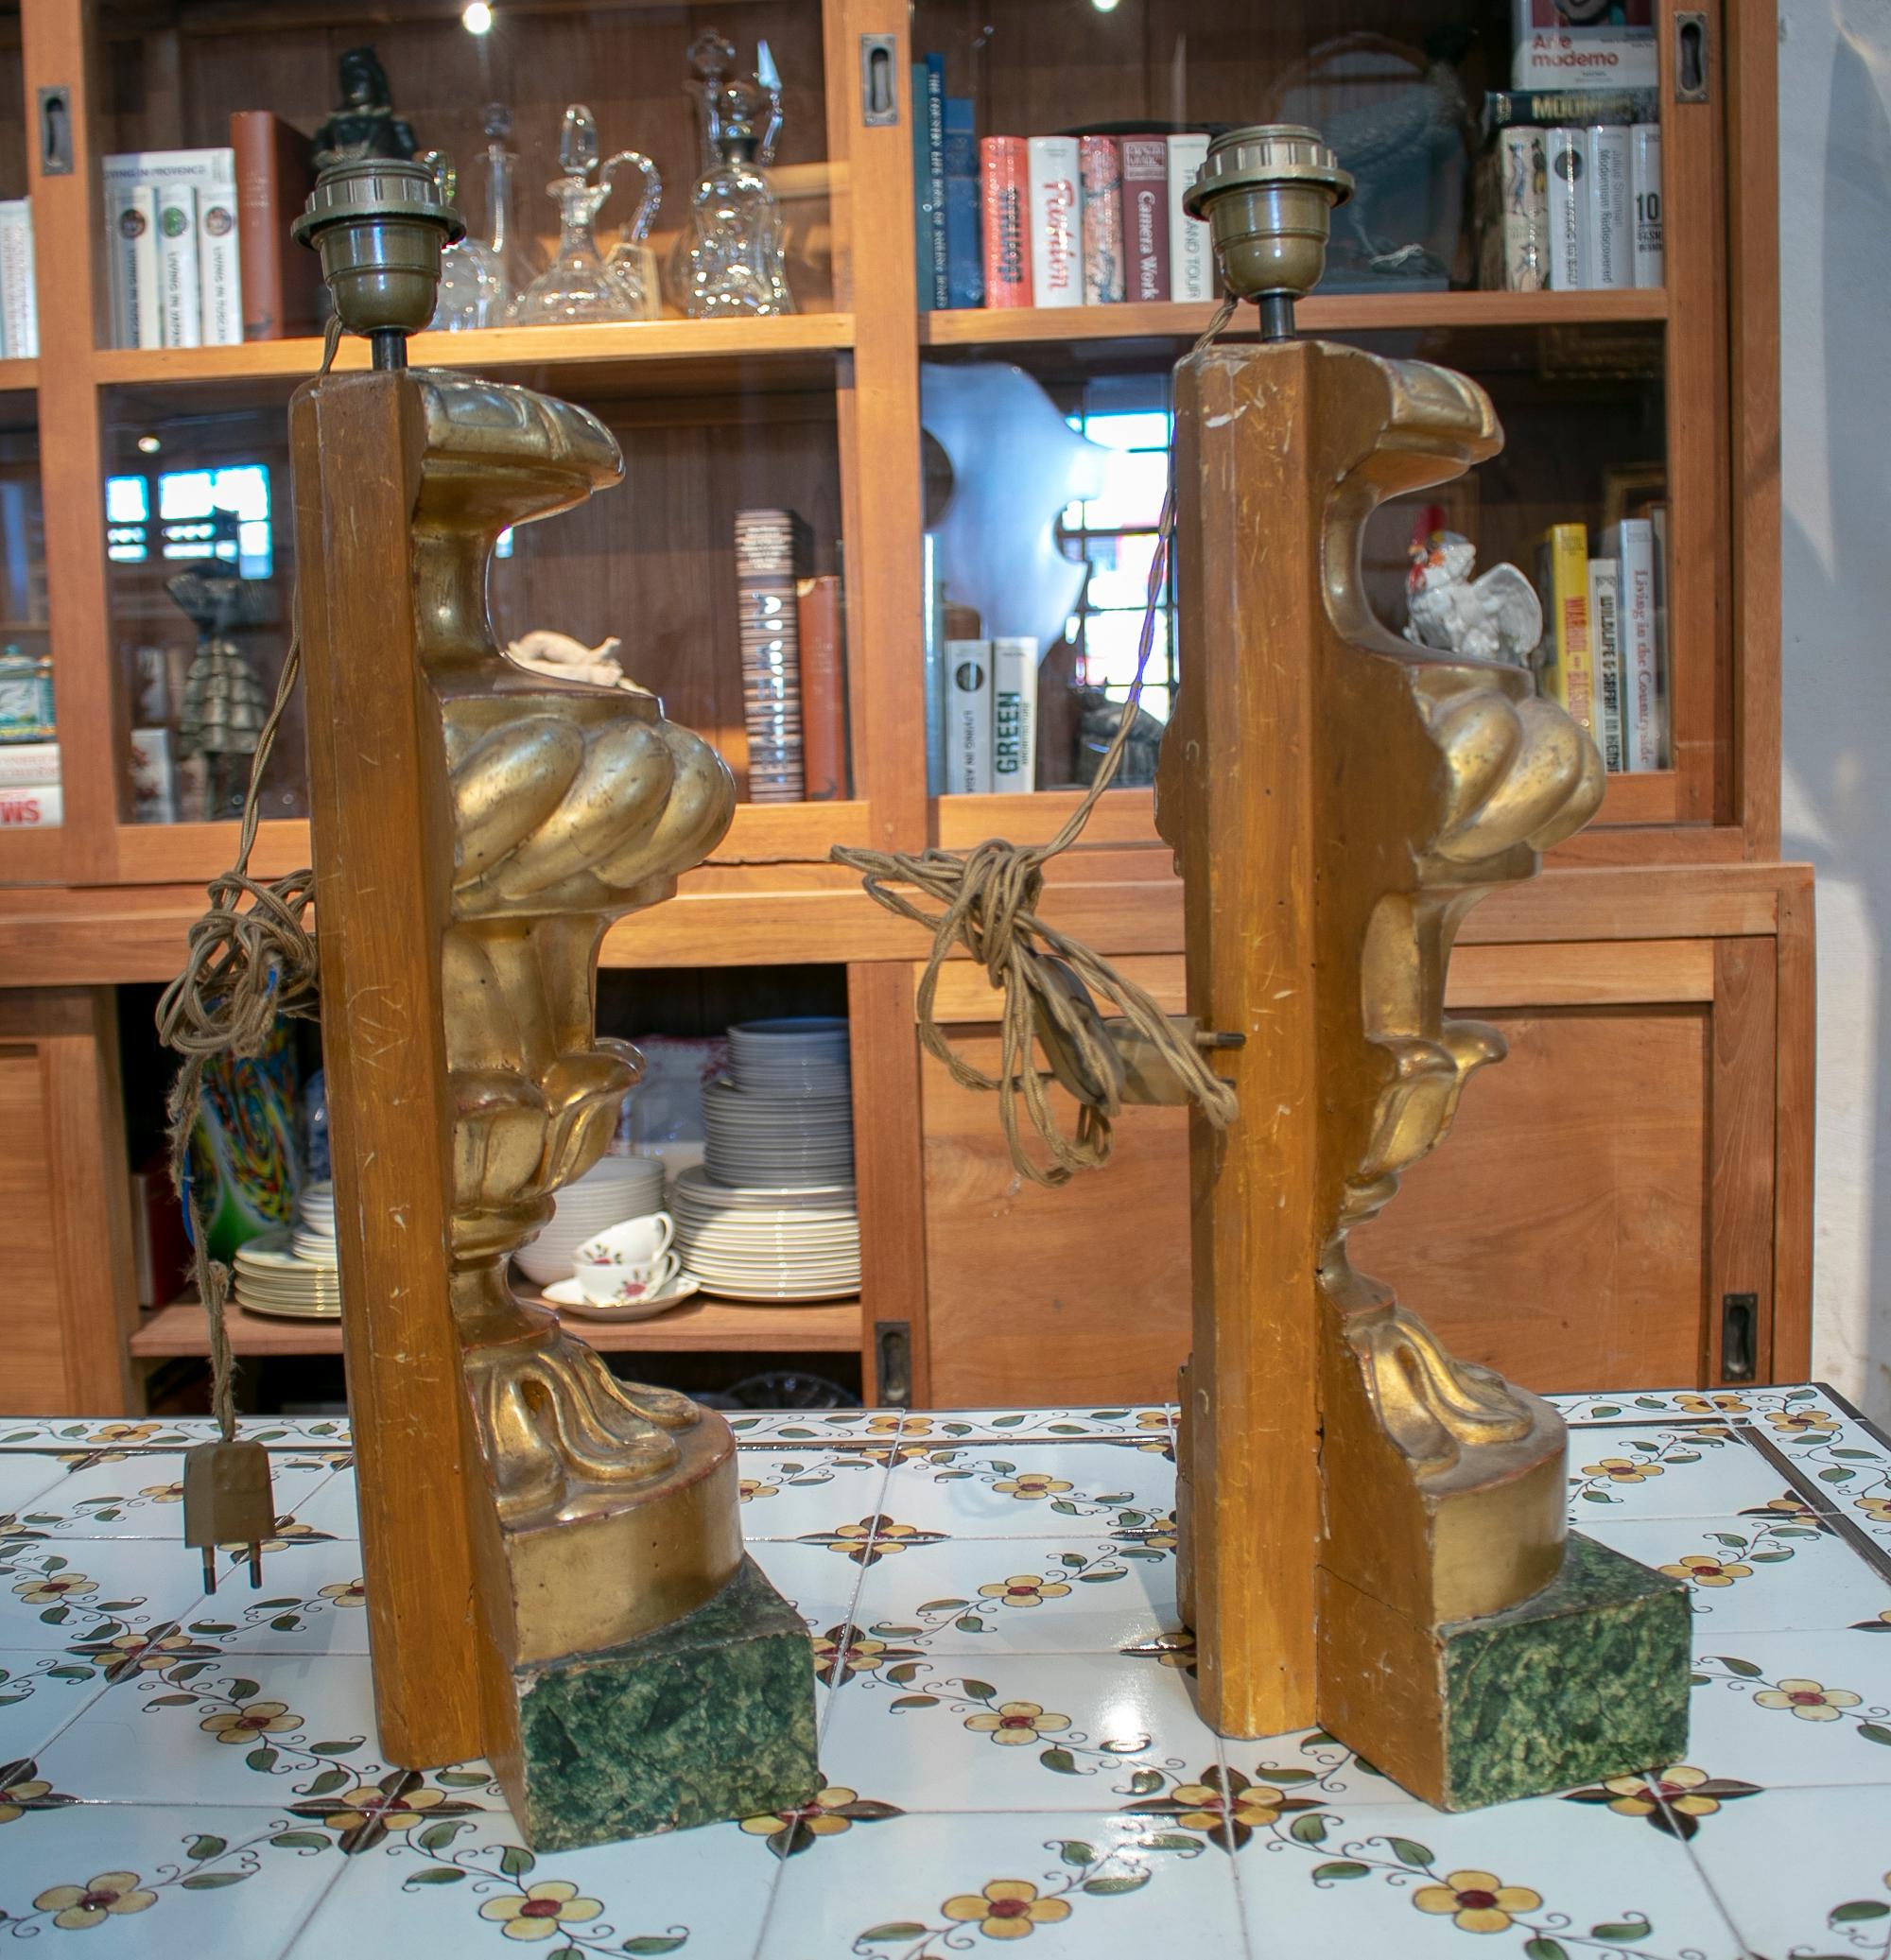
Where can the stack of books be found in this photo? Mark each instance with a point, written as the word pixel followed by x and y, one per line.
pixel 1569 192
pixel 1604 655
pixel 171 219
pixel 1070 220
pixel 29 786
pixel 991 716
pixel 769 628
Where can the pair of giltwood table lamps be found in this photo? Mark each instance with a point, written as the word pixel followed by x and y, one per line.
pixel 1373 1533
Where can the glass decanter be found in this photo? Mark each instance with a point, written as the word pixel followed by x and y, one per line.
pixel 728 259
pixel 472 286
pixel 498 171
pixel 582 284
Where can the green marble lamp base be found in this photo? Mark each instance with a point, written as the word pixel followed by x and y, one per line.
pixel 1587 1679
pixel 709 1718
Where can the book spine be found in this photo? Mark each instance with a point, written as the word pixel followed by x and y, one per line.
pixel 922 193
pixel 824 692
pixel 1563 578
pixel 935 178
pixel 1608 228
pixel 18 322
pixel 39 807
pixel 1553 52
pixel 1100 158
pixel 1631 543
pixel 1525 189
pixel 1644 183
pixel 1657 538
pixel 770 637
pixel 964 258
pixel 1545 108
pixel 147 324
pixel 932 657
pixel 1191 258
pixel 1006 172
pixel 1056 268
pixel 259 223
pixel 1605 617
pixel 1145 178
pixel 219 274
pixel 1014 714
pixel 969 718
pixel 28 765
pixel 179 294
pixel 1563 151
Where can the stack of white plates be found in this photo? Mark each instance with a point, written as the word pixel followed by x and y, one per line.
pixel 612 1190
pixel 314 1237
pixel 778 1139
pixel 779 1243
pixel 804 1056
pixel 270 1278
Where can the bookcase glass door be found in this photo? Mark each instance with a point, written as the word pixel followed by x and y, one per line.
pixel 488 88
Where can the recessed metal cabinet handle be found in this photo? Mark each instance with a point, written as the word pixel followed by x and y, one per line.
pixel 56 131
pixel 1739 1336
pixel 879 93
pixel 893 1361
pixel 1691 56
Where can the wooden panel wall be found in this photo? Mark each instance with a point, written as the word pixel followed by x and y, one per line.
pixel 30 1304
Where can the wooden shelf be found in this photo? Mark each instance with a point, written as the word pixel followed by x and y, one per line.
pixel 1339 313
pixel 659 356
pixel 723 1326
pixel 16 375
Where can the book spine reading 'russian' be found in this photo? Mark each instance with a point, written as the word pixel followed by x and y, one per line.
pixel 1007 213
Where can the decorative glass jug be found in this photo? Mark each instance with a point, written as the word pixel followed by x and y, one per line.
pixel 471 285
pixel 582 283
pixel 498 168
pixel 728 256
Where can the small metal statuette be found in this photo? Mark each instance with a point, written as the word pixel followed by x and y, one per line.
pixel 364 123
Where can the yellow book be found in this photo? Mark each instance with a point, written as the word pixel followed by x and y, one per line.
pixel 1568 655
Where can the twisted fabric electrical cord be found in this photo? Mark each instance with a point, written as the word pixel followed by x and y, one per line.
pixel 988 904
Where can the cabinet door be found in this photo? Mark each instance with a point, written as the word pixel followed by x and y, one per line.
pixel 1602 1195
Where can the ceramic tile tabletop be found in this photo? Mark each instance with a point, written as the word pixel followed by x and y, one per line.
pixel 1009 1730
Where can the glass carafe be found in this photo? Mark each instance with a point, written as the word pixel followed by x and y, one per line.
pixel 728 259
pixel 582 283
pixel 472 286
pixel 498 168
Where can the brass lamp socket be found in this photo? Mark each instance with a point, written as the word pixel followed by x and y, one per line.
pixel 1267 193
pixel 380 226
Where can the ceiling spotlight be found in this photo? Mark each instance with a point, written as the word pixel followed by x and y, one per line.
pixel 478 19
pixel 1105 6
pixel 150 445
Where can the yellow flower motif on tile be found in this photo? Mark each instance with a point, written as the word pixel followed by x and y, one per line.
pixel 1208 1809
pixel 883 1424
pixel 750 1488
pixel 540 1910
pixel 163 1493
pixel 1006 1909
pixel 1023 1589
pixel 1154 1419
pixel 915 1426
pixel 49 1589
pixel 1796 1508
pixel 352 1593
pixel 150 1655
pixel 862 1654
pixel 1633 1798
pixel 369 1803
pixel 1699 1569
pixel 246 1723
pixel 1808 1700
pixel 1180 1652
pixel 75 1906
pixel 14 1797
pixel 1805 1422
pixel 1877 1509
pixel 126 1431
pixel 1478 1901
pixel 1033 1484
pixel 1621 1469
pixel 1712 1405
pixel 1016 1722
pixel 880 1538
pixel 816 1815
pixel 286 1534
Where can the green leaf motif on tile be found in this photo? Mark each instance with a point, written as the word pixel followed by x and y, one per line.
pixel 1340 1868
pixel 436 1837
pixel 1837 1474
pixel 331 1781
pixel 1070 1558
pixel 516 1860
pixel 336 1748
pixel 1103 1577
pixel 1745 1669
pixel 1006 1422
pixel 285 1622
pixel 454 1778
pixel 1283 1779
pixel 970 1623
pixel 1874 1732
pixel 435 1875
pixel 213 1880
pixel 1410 1851
pixel 1600 1497
pixel 53 1615
pixel 243 1690
pixel 941 1606
pixel 1073 1850
pixel 1171 1841
pixel 1614 1409
pixel 206 1847
pixel 1767 1558
pixel 1621 1933
pixel 904 1672
pixel 1062 1762
pixel 1309 1829
pixel 894 1929
pixel 1857 1455
pixel 1543 1949
pixel 666 1942
pixel 1858 1909
pixel 1145 1782
pixel 262 1758
pixel 915 1701
pixel 167 1701
pixel 978 1690
pixel 300 1841
pixel 1113 1886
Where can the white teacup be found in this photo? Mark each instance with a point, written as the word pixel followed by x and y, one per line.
pixel 629 1262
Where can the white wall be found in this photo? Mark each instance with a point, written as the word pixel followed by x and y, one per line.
pixel 1835 320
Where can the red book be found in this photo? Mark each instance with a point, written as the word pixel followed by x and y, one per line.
pixel 824 690
pixel 282 280
pixel 1004 163
pixel 1101 164
pixel 1145 192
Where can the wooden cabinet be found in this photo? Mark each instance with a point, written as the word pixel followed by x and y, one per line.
pixel 1643 1156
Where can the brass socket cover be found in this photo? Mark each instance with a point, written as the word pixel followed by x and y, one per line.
pixel 1268 193
pixel 379 226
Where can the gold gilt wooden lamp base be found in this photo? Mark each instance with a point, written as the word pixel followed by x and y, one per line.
pixel 613 1653
pixel 1373 1532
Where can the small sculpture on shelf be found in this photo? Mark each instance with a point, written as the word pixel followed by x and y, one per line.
pixel 364 123
pixel 582 283
pixel 545 651
pixel 472 284
pixel 1494 617
pixel 224 705
pixel 728 259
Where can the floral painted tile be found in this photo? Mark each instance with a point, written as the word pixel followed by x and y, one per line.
pixel 162 1882
pixel 789 1493
pixel 1794 1709
pixel 1799 1399
pixel 466 1886
pixel 334 1510
pixel 1045 1732
pixel 1049 1425
pixel 1034 1489
pixel 1707 1469
pixel 1804 1872
pixel 312 1601
pixel 1545 1880
pixel 41 1692
pixel 814 1426
pixel 1073 1883
pixel 24 1474
pixel 89 1589
pixel 968 1596
pixel 820 1585
pixel 140 1494
pixel 1754 1573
